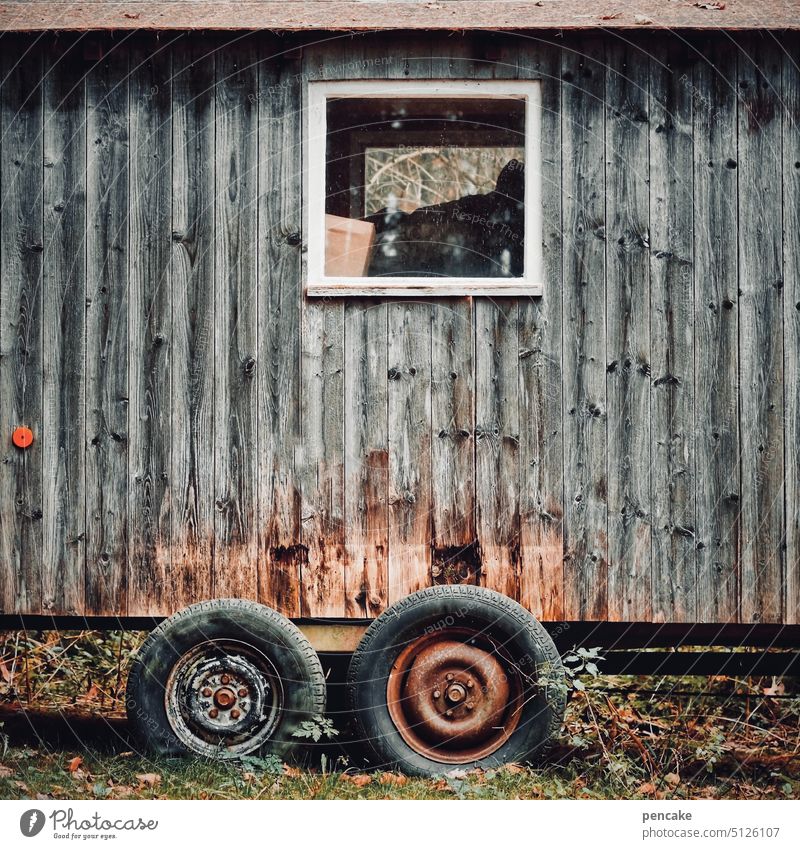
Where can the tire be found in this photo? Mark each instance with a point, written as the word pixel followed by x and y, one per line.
pixel 239 662
pixel 425 690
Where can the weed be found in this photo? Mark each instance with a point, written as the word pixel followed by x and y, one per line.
pixel 316 728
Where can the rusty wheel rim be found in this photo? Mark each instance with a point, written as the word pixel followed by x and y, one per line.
pixel 454 697
pixel 223 698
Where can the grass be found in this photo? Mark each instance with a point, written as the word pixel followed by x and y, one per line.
pixel 63 736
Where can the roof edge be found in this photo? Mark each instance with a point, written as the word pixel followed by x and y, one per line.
pixel 357 15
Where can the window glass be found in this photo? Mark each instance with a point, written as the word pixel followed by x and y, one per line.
pixel 425 187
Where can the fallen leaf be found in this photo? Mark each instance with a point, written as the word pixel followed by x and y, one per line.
pixel 91 694
pixel 122 791
pixel 390 779
pixel 75 763
pixel 292 771
pixel 642 20
pixel 777 688
pixel 5 772
pixel 149 779
pixel 360 780
pixel 673 779
pixel 610 17
pixel 647 789
pixel 5 673
pixel 458 774
pixel 514 769
pixel 713 7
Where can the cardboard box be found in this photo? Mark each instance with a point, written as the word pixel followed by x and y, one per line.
pixel 348 246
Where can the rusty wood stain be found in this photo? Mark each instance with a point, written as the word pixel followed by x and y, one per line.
pixel 457 564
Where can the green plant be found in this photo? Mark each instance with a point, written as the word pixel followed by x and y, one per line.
pixel 269 765
pixel 581 661
pixel 712 749
pixel 316 728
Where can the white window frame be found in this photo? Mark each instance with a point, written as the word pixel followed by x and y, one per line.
pixel 318 284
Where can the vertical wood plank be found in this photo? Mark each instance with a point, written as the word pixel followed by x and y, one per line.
pixel 456 556
pixel 366 428
pixel 409 398
pixel 672 328
pixel 322 416
pixel 193 320
pixel 322 475
pixel 584 314
pixel 236 331
pixel 366 459
pixel 497 428
pixel 279 304
pixel 540 385
pixel 497 414
pixel 791 353
pixel 21 354
pixel 107 333
pixel 409 448
pixel 454 535
pixel 150 580
pixel 760 329
pixel 64 298
pixel 717 488
pixel 628 334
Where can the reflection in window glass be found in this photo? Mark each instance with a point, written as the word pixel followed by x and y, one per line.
pixel 425 187
pixel 406 178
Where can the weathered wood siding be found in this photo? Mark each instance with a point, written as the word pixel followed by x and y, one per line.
pixel 623 448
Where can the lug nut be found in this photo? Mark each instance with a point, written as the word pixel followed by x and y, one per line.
pixel 449 712
pixel 470 705
pixel 207 692
pixel 470 683
pixel 225 679
pixel 242 692
pixel 235 714
pixel 450 676
pixel 213 713
pixel 436 694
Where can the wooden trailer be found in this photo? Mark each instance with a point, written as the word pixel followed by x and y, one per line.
pixel 476 321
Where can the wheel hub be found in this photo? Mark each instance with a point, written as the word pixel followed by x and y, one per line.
pixel 456 693
pixel 453 699
pixel 224 698
pixel 223 695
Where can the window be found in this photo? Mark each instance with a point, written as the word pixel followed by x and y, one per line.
pixel 424 188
